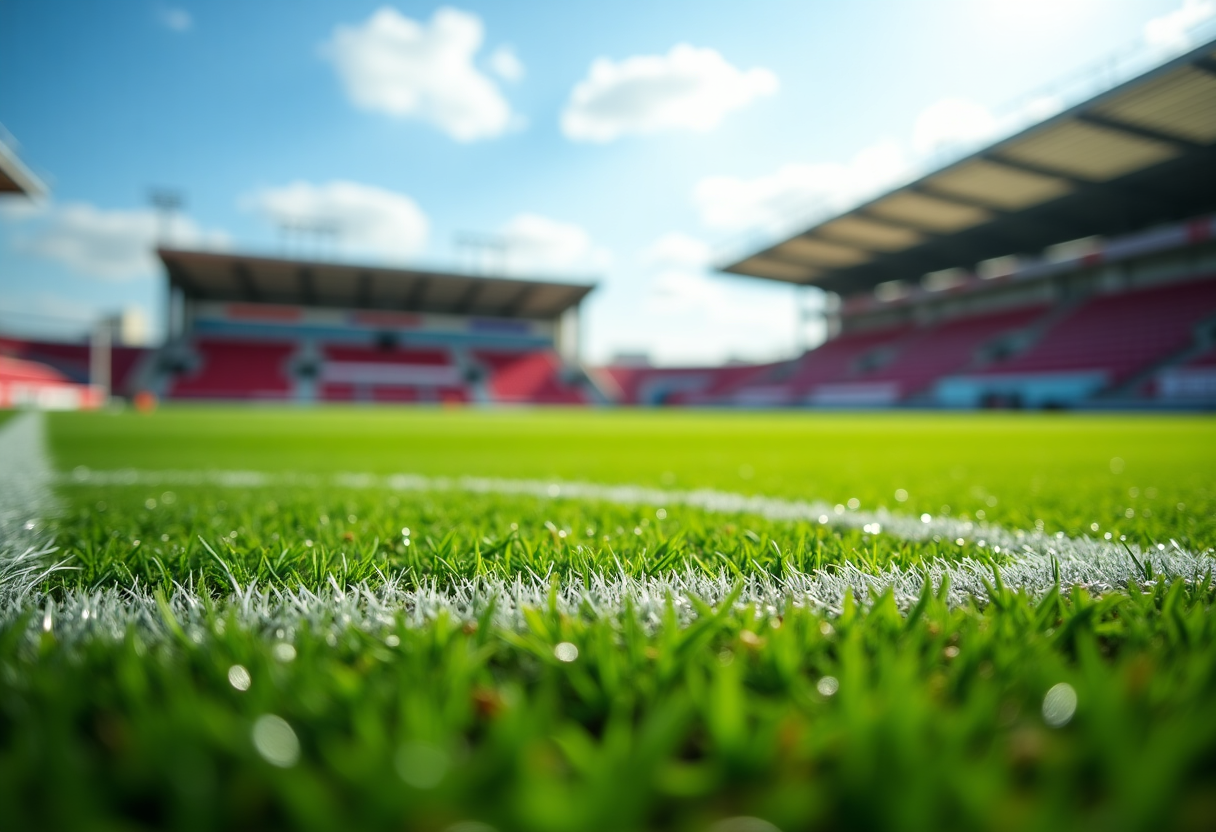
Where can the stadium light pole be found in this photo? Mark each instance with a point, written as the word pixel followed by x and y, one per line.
pixel 100 348
pixel 485 251
pixel 166 201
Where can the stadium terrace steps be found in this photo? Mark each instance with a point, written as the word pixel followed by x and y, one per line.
pixel 1118 335
pixel 231 369
pixel 948 347
pixel 839 359
pixel 535 378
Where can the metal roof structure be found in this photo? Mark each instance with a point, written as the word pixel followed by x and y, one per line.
pixel 1141 153
pixel 232 277
pixel 15 177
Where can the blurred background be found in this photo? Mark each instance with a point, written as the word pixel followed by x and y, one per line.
pixel 939 204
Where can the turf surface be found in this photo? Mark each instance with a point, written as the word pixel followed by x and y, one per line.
pixel 1065 711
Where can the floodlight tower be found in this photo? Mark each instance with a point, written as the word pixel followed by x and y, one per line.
pixel 487 253
pixel 167 201
pixel 101 343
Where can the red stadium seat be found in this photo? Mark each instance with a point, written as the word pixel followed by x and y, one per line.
pixel 232 369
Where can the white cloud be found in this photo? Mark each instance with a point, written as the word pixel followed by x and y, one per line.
pixel 114 245
pixel 676 249
pixel 794 191
pixel 536 243
pixel 1171 32
pixel 949 124
pixel 690 317
pixel 394 65
pixel 366 218
pixel 732 204
pixel 686 89
pixel 506 64
pixel 179 20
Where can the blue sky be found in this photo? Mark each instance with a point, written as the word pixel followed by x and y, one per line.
pixel 625 142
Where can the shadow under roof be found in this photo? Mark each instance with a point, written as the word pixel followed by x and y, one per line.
pixel 229 277
pixel 1139 154
pixel 15 177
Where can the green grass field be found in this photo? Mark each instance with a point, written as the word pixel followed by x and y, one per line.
pixel 245 636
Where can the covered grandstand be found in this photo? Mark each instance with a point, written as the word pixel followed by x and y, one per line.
pixel 247 327
pixel 1072 264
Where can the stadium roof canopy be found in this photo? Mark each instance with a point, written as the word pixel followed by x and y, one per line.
pixel 240 278
pixel 1141 153
pixel 15 177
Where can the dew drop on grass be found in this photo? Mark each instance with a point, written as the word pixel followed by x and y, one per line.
pixel 1059 705
pixel 284 652
pixel 854 504
pixel 239 677
pixel 565 652
pixel 421 764
pixel 276 741
pixel 661 514
pixel 393 641
pixel 827 686
pixel 926 518
pixel 901 495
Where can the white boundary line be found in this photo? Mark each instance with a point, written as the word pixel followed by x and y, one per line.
pixel 1035 561
pixel 26 499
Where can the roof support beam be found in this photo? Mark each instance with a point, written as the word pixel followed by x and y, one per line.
pixel 946 196
pixel 1139 132
pixel 413 300
pixel 1075 181
pixel 180 277
pixel 308 291
pixel 363 290
pixel 516 305
pixel 244 277
pixel 469 297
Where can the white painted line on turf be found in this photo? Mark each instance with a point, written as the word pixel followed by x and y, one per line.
pixel 26 499
pixel 1027 554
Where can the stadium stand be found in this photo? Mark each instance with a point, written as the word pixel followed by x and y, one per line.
pixel 31 384
pixel 236 369
pixel 1189 381
pixel 72 360
pixel 1071 264
pixel 277 329
pixel 1121 334
pixel 535 378
pixel 948 348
